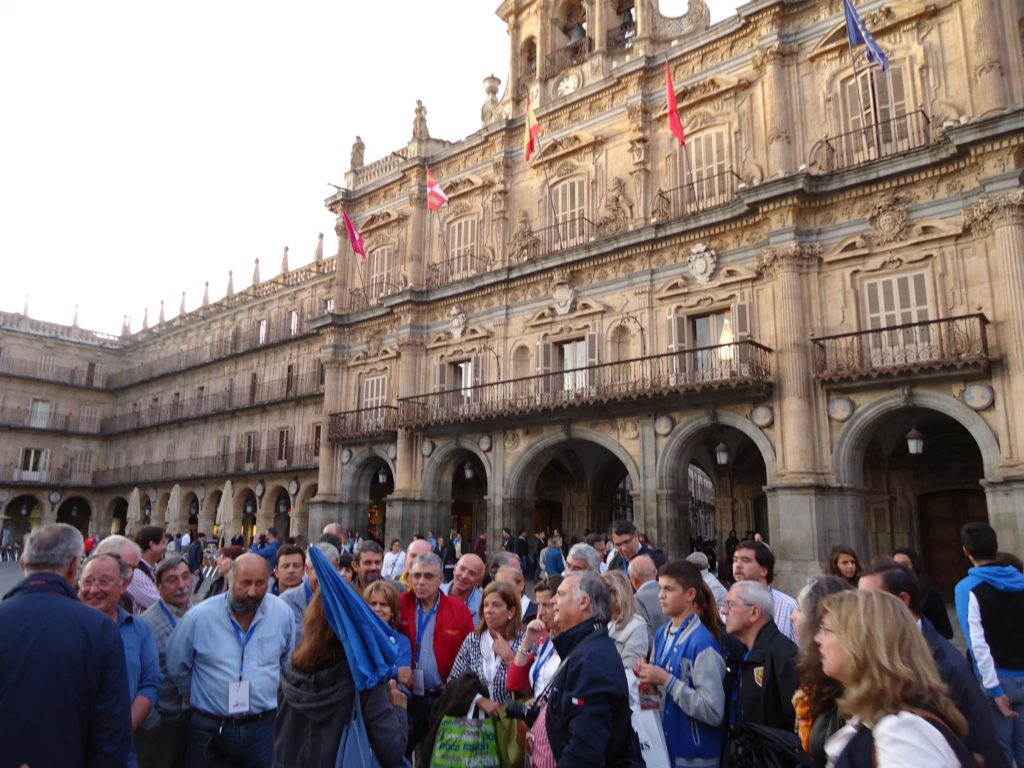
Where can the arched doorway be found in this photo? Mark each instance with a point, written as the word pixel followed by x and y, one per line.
pixel 119 516
pixel 469 499
pixel 22 514
pixel 382 483
pixel 249 506
pixel 366 484
pixel 282 513
pixel 75 511
pixel 192 507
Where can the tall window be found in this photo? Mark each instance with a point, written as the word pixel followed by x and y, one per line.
pixel 293 322
pixel 89 418
pixel 262 327
pixel 375 395
pixel 46 366
pixel 893 301
pixel 251 442
pixel 32 462
pixel 39 416
pixel 707 183
pixel 875 109
pixel 289 382
pixel 282 444
pixel 317 430
pixel 381 264
pixel 570 208
pixel 572 361
pixel 461 247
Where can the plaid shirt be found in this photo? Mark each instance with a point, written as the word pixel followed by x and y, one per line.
pixel 784 607
pixel 171 703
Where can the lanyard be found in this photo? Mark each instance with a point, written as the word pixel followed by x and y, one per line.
pixel 422 621
pixel 546 649
pixel 168 614
pixel 243 643
pixel 666 653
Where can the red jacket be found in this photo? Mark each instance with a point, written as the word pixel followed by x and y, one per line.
pixel 453 623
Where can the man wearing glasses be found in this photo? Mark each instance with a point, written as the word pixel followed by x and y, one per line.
pixel 761 677
pixel 626 541
pixel 436 625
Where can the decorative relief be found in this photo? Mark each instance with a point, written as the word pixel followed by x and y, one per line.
pixel 524 245
pixel 840 409
pixel 978 397
pixel 888 219
pixel 795 255
pixel 982 216
pixel 457 322
pixel 511 440
pixel 701 262
pixel 619 210
pixel 663 425
pixel 629 429
pixel 564 295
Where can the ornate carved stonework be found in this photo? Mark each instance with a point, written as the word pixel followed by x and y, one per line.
pixel 982 216
pixel 618 207
pixel 888 219
pixel 564 294
pixel 457 322
pixel 523 245
pixel 793 255
pixel 702 262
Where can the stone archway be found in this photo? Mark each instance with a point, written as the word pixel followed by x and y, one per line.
pixel 76 511
pixel 22 513
pixel 368 479
pixel 457 483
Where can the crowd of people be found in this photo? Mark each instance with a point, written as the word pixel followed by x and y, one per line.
pixel 153 651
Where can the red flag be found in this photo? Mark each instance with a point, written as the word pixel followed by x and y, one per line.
pixel 532 130
pixel 674 123
pixel 436 198
pixel 358 246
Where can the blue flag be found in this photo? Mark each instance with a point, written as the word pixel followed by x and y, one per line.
pixel 859 35
pixel 369 643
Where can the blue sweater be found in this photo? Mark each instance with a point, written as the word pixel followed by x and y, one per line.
pixel 989 604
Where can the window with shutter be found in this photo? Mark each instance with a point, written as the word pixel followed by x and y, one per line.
pixel 39 415
pixel 677 347
pixel 379 278
pixel 461 247
pixel 572 359
pixel 570 210
pixel 708 184
pixel 374 396
pixel 894 301
pixel 873 104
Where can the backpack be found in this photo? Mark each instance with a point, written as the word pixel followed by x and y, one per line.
pixel 760 746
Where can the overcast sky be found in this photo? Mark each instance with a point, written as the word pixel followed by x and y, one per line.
pixel 146 147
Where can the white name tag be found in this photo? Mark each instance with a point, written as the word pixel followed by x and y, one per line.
pixel 417 682
pixel 238 697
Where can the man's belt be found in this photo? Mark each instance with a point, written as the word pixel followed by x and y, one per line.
pixel 236 719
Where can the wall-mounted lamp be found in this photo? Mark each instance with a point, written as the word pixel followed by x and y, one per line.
pixel 382 476
pixel 469 470
pixel 915 442
pixel 722 454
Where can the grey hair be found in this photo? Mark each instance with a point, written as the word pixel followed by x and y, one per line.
pixel 124 571
pixel 586 553
pixel 757 594
pixel 167 564
pixel 114 545
pixel 328 550
pixel 593 586
pixel 52 548
pixel 699 559
pixel 432 560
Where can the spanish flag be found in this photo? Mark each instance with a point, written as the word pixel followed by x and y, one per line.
pixel 674 123
pixel 532 130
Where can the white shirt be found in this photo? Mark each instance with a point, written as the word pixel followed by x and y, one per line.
pixel 394 565
pixel 901 740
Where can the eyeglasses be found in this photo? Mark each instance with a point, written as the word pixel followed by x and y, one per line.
pixel 728 605
pixel 428 576
pixel 621 544
pixel 102 583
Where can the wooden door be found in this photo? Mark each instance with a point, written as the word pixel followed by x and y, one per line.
pixel 941 516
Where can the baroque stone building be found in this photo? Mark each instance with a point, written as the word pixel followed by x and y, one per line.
pixel 816 307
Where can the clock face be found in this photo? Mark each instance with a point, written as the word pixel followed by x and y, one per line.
pixel 569 84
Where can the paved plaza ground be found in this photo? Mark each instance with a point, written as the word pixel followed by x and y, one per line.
pixel 10 574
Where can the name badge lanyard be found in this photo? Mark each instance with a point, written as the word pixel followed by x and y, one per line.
pixel 423 619
pixel 546 649
pixel 168 614
pixel 666 654
pixel 243 642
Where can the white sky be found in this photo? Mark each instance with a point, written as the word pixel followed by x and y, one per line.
pixel 147 147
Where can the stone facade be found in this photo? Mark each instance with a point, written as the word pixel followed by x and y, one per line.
pixel 834 261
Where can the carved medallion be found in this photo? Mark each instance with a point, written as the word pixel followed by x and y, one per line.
pixel 888 219
pixel 702 262
pixel 663 425
pixel 978 397
pixel 840 408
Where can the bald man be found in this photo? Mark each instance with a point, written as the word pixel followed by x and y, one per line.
pixel 644 576
pixel 465 585
pixel 416 548
pixel 226 656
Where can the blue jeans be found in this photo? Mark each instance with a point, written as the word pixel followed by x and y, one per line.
pixel 1011 731
pixel 250 745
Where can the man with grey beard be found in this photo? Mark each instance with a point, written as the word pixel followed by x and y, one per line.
pixel 160 742
pixel 226 655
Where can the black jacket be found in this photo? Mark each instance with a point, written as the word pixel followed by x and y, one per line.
pixel 766 677
pixel 968 696
pixel 312 711
pixel 588 717
pixel 63 680
pixel 659 558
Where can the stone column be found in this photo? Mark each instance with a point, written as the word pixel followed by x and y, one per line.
pixel 770 62
pixel 673 526
pixel 341 266
pixel 989 26
pixel 418 247
pixel 598 26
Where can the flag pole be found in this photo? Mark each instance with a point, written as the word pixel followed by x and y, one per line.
pixel 547 183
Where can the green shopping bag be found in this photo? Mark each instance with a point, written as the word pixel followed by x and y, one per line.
pixel 511 740
pixel 466 742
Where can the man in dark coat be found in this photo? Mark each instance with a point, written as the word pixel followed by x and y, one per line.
pixel 626 540
pixel 964 689
pixel 761 677
pixel 63 678
pixel 588 714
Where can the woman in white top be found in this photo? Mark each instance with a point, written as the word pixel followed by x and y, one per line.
pixel 899 712
pixel 627 628
pixel 394 561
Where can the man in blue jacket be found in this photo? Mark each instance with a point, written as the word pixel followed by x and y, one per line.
pixel 588 713
pixel 989 604
pixel 63 680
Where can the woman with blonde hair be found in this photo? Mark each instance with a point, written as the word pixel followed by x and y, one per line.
pixel 491 647
pixel 627 628
pixel 383 600
pixel 898 710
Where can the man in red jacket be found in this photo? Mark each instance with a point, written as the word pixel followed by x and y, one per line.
pixel 436 625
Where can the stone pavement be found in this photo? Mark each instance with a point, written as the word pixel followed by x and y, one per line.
pixel 10 574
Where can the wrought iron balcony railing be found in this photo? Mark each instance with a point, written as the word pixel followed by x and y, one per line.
pixel 621 37
pixel 362 423
pixel 699 194
pixel 44 369
pixel 526 245
pixel 13 473
pixel 453 270
pixel 24 418
pixel 883 138
pixel 223 465
pixel 951 343
pixel 739 365
pixel 242 394
pixel 569 56
pixel 361 298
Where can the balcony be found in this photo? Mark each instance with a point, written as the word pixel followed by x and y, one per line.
pixel 454 269
pixel 298 457
pixel 44 369
pixel 621 38
pixel 954 344
pixel 24 418
pixel 569 56
pixel 743 365
pixel 14 474
pixel 363 424
pixel 701 194
pixel 361 298
pixel 874 141
pixel 241 395
pixel 528 245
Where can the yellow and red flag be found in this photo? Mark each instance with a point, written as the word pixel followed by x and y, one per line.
pixel 436 198
pixel 533 130
pixel 674 123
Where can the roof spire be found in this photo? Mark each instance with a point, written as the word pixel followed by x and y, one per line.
pixel 161 311
pixel 145 318
pixel 181 311
pixel 206 295
pixel 319 255
pixel 125 327
pixel 24 311
pixel 256 273
pixel 284 262
pixel 231 283
pixel 74 320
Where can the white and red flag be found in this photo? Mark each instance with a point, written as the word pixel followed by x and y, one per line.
pixel 358 246
pixel 436 198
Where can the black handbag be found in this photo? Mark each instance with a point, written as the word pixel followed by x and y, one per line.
pixel 758 746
